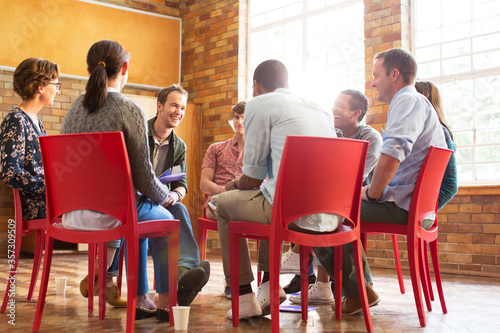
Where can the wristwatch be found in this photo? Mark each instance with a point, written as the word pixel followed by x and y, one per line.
pixel 234 185
pixel 368 197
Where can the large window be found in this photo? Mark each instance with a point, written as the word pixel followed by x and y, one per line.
pixel 320 41
pixel 457 45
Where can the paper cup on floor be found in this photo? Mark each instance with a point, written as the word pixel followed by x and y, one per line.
pixel 61 286
pixel 181 317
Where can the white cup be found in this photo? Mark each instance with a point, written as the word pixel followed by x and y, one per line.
pixel 61 286
pixel 181 317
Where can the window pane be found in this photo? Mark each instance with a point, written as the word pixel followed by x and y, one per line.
pixel 464 155
pixel 429 69
pixel 487 60
pixel 456 65
pixel 456 48
pixel 486 8
pixel 484 43
pixel 488 137
pixel 464 172
pixel 463 138
pixel 488 171
pixel 488 154
pixel 428 53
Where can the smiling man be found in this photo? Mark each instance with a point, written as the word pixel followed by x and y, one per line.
pixel 168 150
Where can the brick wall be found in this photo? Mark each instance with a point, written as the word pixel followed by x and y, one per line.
pixel 214 61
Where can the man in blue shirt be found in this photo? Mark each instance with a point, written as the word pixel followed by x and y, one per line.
pixel 270 116
pixel 412 127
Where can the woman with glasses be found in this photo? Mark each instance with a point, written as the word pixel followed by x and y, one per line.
pixel 36 82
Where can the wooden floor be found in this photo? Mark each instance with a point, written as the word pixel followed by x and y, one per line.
pixel 473 306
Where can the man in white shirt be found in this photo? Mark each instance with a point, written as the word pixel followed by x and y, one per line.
pixel 270 116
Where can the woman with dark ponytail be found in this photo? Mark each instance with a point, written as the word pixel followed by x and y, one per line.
pixel 102 108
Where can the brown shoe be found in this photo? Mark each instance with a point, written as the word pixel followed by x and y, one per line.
pixel 113 297
pixel 352 304
pixel 84 286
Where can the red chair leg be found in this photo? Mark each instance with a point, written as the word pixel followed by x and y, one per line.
pixel 361 284
pixel 428 271
pixel 304 279
pixel 423 275
pixel 234 267
pixel 102 262
pixel 437 274
pixel 120 271
pixel 274 286
pixel 43 284
pixel 173 258
pixel 259 273
pixel 338 280
pixel 39 245
pixel 397 260
pixel 413 255
pixel 132 269
pixel 363 241
pixel 91 273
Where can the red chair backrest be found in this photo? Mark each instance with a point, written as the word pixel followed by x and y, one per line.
pixel 89 171
pixel 425 195
pixel 319 175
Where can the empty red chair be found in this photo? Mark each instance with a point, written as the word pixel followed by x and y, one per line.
pixel 22 228
pixel 333 170
pixel 92 171
pixel 424 202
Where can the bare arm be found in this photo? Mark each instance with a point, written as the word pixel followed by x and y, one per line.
pixel 384 172
pixel 207 184
pixel 244 183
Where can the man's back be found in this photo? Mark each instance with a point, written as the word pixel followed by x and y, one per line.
pixel 269 118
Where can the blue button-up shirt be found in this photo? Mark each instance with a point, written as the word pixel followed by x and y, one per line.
pixel 412 127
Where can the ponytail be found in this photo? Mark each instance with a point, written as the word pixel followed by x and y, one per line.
pixel 105 59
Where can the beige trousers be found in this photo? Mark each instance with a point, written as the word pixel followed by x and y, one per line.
pixel 243 205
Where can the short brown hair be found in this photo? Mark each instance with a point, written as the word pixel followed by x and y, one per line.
pixel 400 59
pixel 239 108
pixel 163 94
pixel 32 73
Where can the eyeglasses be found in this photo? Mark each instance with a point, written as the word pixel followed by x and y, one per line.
pixel 57 84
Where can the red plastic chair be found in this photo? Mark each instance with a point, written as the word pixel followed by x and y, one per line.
pixel 333 169
pixel 23 228
pixel 203 225
pixel 92 171
pixel 424 202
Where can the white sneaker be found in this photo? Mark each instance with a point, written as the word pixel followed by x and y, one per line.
pixel 318 293
pixel 290 263
pixel 264 298
pixel 249 307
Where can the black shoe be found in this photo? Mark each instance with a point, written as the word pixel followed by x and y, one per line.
pixel 227 292
pixel 162 314
pixel 191 283
pixel 141 313
pixel 294 285
pixel 206 267
pixel 188 285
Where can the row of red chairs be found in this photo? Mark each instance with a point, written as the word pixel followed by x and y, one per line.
pixel 100 175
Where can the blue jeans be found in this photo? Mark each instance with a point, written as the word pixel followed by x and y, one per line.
pixel 189 255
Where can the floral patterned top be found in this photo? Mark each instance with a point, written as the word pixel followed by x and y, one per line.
pixel 21 161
